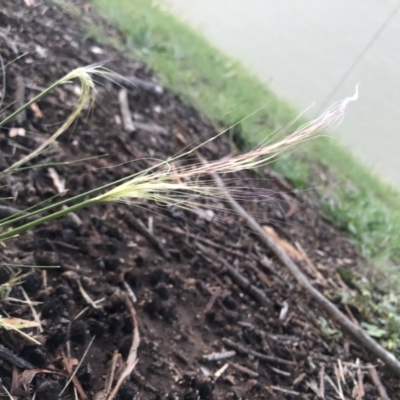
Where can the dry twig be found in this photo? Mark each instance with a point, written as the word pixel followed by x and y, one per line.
pixel 125 111
pixel 138 225
pixel 73 378
pixel 219 356
pixel 356 332
pixel 208 242
pixel 133 82
pixel 132 357
pixel 247 371
pixel 20 99
pixel 240 280
pixel 377 382
pixel 261 356
pixel 33 310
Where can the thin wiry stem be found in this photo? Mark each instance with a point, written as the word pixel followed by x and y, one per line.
pixel 172 184
pixel 47 218
pixel 182 185
pixel 87 96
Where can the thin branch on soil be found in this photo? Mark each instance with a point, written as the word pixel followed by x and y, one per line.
pixel 138 225
pixel 240 280
pixel 66 245
pixel 377 382
pixel 360 384
pixel 125 111
pixel 20 99
pixel 267 264
pixel 358 334
pixel 244 350
pixel 283 390
pixel 244 370
pixel 130 292
pixel 14 379
pixel 221 371
pixel 338 389
pixel 133 82
pixel 34 312
pixel 28 337
pixel 7 392
pixel 85 295
pixel 219 356
pixel 208 242
pixel 73 377
pixel 15 300
pixel 132 357
pixel 319 277
pixel 8 355
pixel 110 377
pixel 213 299
pixel 280 372
pixel 260 275
pixel 322 381
pixel 87 308
pixel 116 358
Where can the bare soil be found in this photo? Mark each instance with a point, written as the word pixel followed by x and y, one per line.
pixel 189 304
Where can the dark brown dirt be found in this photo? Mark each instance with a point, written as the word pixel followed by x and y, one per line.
pixel 188 306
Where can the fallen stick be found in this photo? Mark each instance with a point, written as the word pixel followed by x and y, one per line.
pixel 378 384
pixel 138 225
pixel 133 82
pixel 259 258
pixel 125 111
pixel 239 279
pixel 244 350
pixel 357 333
pixel 208 242
pixel 20 99
pixel 132 357
pixel 244 370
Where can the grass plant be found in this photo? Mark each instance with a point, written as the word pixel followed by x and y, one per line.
pixel 167 183
pixel 172 182
pixel 226 93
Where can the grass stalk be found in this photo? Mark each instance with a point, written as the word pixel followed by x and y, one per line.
pixel 87 96
pixel 159 183
pixel 61 213
pixel 226 92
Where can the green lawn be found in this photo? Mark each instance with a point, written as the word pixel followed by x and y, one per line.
pixel 354 199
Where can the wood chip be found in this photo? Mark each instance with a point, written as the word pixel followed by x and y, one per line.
pixel 14 132
pixel 219 356
pixel 59 183
pixel 20 99
pixel 245 370
pixel 36 110
pixel 151 128
pixel 125 111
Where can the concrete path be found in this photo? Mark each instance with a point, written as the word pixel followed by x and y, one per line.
pixel 302 48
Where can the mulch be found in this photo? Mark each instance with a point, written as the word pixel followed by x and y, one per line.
pixel 203 335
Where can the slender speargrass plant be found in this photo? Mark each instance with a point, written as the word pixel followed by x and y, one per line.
pixel 170 182
pixel 87 96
